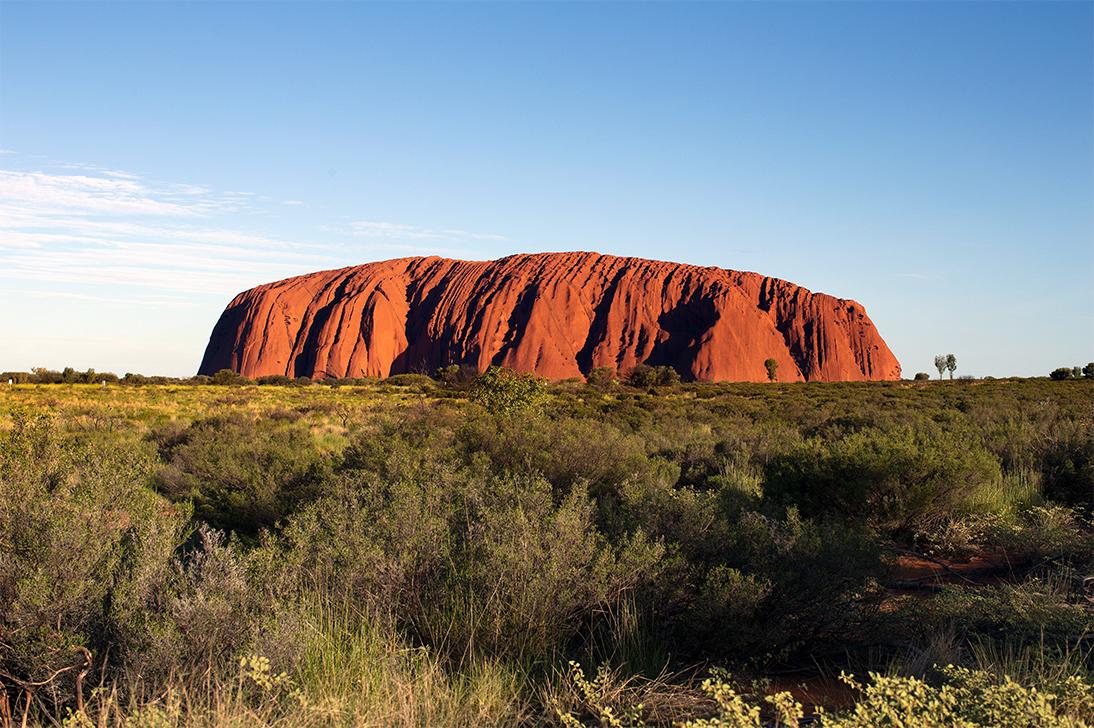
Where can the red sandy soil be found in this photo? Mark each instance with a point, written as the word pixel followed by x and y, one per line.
pixel 815 691
pixel 981 569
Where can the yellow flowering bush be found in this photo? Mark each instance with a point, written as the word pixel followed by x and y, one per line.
pixel 966 699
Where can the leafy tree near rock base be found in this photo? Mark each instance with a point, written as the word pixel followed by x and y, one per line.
pixel 772 367
pixel 227 376
pixel 503 391
pixel 601 377
pixel 644 376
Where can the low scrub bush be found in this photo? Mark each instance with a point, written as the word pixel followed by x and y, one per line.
pixel 505 392
pixel 774 592
pixel 1045 533
pixel 601 377
pixel 1068 464
pixel 194 616
pixel 964 699
pixel 495 566
pixel 241 473
pixel 423 381
pixel 564 450
pixel 83 542
pixel 1038 609
pixel 899 481
pixel 532 572
pixel 644 377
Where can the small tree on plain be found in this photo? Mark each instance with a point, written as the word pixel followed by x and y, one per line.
pixel 1060 373
pixel 772 367
pixel 601 377
pixel 644 376
pixel 951 364
pixel 504 392
pixel 1088 370
pixel 940 364
pixel 456 375
pixel 227 376
pixel 922 376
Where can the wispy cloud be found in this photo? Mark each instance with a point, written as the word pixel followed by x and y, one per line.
pixel 111 228
pixel 51 194
pixel 141 300
pixel 397 231
pixel 91 233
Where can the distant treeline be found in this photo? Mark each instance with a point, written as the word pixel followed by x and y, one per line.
pixel 69 375
pixel 455 376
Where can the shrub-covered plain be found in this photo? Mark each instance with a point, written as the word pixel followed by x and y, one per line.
pixel 496 551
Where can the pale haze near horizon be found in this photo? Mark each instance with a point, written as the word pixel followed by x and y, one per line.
pixel 934 162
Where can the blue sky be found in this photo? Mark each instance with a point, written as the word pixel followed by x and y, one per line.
pixel 932 161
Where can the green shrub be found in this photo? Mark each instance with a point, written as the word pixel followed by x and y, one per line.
pixel 644 376
pixel 1067 462
pixel 967 698
pixel 378 543
pixel 898 481
pixel 196 617
pixel 82 541
pixel 531 573
pixel 410 380
pixel 1045 532
pixel 503 391
pixel 276 380
pixel 601 377
pixel 456 375
pixel 466 562
pixel 229 377
pixel 790 571
pixel 242 474
pixel 564 450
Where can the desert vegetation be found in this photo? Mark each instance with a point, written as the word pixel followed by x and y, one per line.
pixel 1061 373
pixel 471 550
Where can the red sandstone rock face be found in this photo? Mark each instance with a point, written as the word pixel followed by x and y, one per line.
pixel 556 314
